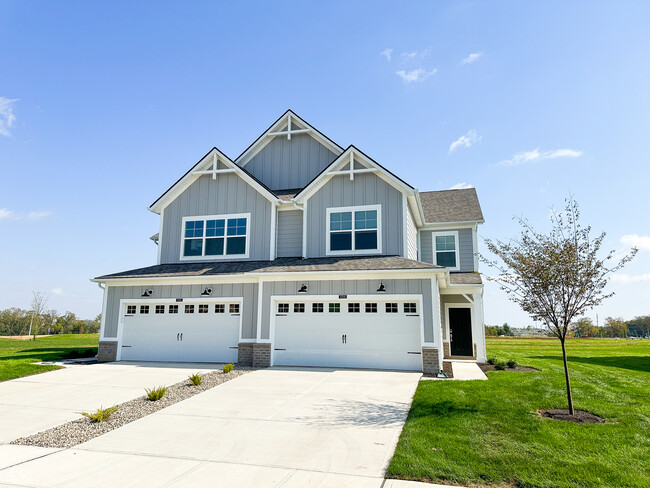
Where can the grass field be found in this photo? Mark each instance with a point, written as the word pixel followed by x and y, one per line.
pixel 16 355
pixel 488 432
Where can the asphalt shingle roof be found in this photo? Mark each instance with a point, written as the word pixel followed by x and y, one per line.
pixel 465 279
pixel 451 206
pixel 280 265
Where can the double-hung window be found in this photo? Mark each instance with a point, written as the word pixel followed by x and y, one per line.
pixel 445 249
pixel 216 237
pixel 354 230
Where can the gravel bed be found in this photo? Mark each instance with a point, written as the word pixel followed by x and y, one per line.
pixel 82 430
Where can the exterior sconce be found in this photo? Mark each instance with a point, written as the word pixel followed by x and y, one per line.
pixel 147 293
pixel 382 288
pixel 207 292
pixel 303 289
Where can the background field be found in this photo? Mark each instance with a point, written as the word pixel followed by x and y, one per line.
pixel 17 355
pixel 488 432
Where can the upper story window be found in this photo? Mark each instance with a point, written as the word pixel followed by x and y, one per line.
pixel 445 249
pixel 215 237
pixel 354 230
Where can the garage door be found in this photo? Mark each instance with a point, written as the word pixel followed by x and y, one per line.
pixel 196 332
pixel 348 333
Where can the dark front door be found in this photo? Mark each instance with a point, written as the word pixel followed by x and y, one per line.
pixel 460 331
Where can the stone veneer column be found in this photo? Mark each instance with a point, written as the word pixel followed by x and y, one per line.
pixel 107 351
pixel 430 360
pixel 245 354
pixel 261 355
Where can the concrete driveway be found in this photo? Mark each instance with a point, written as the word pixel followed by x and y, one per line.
pixel 35 403
pixel 270 428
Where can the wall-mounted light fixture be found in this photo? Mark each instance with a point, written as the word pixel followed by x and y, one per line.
pixel 303 289
pixel 147 292
pixel 207 292
pixel 382 288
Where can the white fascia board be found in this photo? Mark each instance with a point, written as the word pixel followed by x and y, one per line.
pixel 266 137
pixel 460 289
pixel 191 177
pixel 450 225
pixel 342 160
pixel 416 208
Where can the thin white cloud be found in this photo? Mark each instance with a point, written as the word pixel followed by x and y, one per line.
pixel 416 54
pixel 635 240
pixel 461 186
pixel 472 58
pixel 466 140
pixel 7 117
pixel 627 279
pixel 387 53
pixel 57 291
pixel 535 155
pixel 6 214
pixel 419 74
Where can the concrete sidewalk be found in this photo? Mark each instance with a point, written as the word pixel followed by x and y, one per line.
pixel 35 403
pixel 269 428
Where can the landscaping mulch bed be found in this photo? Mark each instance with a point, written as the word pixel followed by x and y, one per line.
pixel 83 429
pixel 579 416
pixel 521 369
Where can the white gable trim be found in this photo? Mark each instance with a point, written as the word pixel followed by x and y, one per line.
pixel 209 165
pixel 345 159
pixel 290 119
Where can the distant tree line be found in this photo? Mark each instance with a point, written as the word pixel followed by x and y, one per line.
pixel 614 327
pixel 16 321
pixel 496 330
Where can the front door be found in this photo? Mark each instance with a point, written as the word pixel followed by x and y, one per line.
pixel 460 331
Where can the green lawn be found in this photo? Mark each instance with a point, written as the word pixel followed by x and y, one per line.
pixel 16 356
pixel 487 432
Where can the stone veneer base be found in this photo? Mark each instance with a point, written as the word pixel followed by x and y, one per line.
pixel 107 351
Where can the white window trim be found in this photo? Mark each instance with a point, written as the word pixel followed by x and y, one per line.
pixel 331 210
pixel 247 216
pixel 435 253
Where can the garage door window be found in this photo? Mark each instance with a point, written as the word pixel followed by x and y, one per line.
pixel 353 308
pixel 144 308
pixel 391 308
pixel 283 308
pixel 298 308
pixel 160 309
pixel 410 308
pixel 317 307
pixel 173 309
pixel 131 309
pixel 203 308
pixel 219 308
pixel 234 308
pixel 371 308
pixel 189 308
pixel 335 307
pixel 215 236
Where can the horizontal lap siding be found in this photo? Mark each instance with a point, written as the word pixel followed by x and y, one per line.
pixel 246 290
pixel 465 247
pixel 365 189
pixel 228 194
pixel 350 288
pixel 290 163
pixel 289 234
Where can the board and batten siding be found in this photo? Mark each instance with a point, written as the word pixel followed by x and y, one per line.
pixel 411 236
pixel 350 287
pixel 289 240
pixel 465 247
pixel 228 194
pixel 365 189
pixel 284 164
pixel 246 290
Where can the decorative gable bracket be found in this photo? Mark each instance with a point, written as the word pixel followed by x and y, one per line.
pixel 215 168
pixel 290 130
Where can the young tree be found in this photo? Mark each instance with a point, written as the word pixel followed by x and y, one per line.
pixel 39 304
pixel 555 277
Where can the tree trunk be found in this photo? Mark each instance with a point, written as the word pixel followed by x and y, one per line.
pixel 568 380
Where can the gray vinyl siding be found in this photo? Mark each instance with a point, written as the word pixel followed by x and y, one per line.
pixel 289 239
pixel 291 163
pixel 349 287
pixel 228 194
pixel 246 290
pixel 465 248
pixel 365 189
pixel 412 235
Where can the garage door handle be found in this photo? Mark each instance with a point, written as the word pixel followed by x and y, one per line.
pixel 344 339
pixel 177 336
pixel 234 347
pixel 276 349
pixel 413 352
pixel 181 337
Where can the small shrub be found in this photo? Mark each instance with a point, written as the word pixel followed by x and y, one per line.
pixel 500 365
pixel 492 360
pixel 195 379
pixel 156 394
pixel 227 368
pixel 100 415
pixel 512 363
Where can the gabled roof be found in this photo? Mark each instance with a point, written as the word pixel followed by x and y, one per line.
pixel 451 206
pixel 214 162
pixel 345 159
pixel 289 117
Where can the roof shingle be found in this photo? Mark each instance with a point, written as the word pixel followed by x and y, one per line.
pixel 451 206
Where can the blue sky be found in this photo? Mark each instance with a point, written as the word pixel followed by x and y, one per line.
pixel 104 104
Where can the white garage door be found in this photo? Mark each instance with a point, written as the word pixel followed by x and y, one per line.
pixel 191 332
pixel 346 333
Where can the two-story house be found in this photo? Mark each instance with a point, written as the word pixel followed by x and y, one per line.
pixel 302 253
